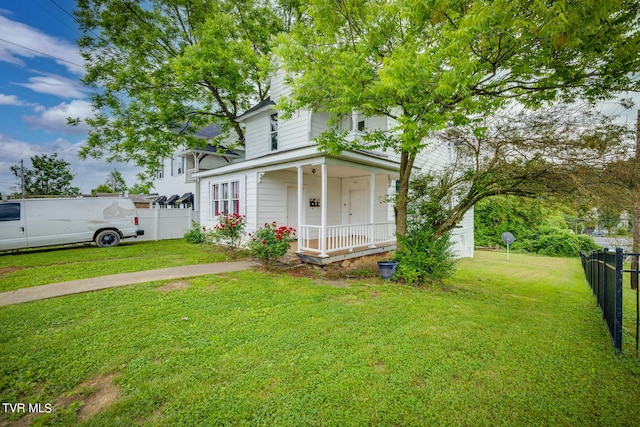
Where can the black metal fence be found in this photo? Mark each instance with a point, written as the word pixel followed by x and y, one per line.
pixel 604 270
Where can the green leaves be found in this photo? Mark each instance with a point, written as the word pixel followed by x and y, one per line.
pixel 159 66
pixel 48 176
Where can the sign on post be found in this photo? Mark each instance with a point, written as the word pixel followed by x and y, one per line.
pixel 508 239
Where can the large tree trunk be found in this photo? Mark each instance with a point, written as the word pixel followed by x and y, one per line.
pixel 400 208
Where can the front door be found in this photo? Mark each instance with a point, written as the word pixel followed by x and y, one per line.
pixel 358 206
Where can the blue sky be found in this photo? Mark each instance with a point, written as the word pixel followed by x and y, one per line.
pixel 40 71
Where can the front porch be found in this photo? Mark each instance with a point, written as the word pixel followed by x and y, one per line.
pixel 343 242
pixel 340 209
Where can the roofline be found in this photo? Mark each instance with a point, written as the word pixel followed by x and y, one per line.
pixel 269 104
pixel 305 153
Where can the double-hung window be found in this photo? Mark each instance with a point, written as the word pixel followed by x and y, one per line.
pixel 225 198
pixel 273 131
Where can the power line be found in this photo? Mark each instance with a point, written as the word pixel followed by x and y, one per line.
pixel 42 53
pixel 57 17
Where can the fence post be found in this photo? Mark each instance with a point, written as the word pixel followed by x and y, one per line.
pixel 156 224
pixel 618 303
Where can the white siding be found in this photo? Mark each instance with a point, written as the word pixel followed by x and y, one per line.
pixel 462 238
pixel 258 141
pixel 293 133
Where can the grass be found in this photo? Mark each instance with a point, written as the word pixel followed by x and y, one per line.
pixel 43 266
pixel 502 343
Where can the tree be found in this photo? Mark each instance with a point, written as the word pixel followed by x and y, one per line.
pixel 141 188
pixel 426 65
pixel 160 70
pixel 548 152
pixel 48 176
pixel 116 182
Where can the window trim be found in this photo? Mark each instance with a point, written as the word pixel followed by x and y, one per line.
pixel 231 204
pixel 273 131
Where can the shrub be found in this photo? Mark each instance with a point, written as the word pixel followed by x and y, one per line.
pixel 560 243
pixel 229 230
pixel 270 243
pixel 422 259
pixel 196 234
pixel 586 243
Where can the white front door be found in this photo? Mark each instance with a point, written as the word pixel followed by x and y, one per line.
pixel 358 206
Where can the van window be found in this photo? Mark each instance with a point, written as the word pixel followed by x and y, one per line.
pixel 9 211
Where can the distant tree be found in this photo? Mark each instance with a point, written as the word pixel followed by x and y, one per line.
pixel 116 182
pixel 48 176
pixel 141 188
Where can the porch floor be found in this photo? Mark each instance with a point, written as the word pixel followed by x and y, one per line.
pixel 311 257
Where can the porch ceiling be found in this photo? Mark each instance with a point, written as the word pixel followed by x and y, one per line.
pixel 336 171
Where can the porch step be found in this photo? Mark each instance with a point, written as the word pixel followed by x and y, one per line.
pixel 317 260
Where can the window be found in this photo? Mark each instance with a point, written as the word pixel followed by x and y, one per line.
pixel 225 198
pixel 273 122
pixel 177 166
pixel 9 211
pixel 215 198
pixel 361 126
pixel 235 197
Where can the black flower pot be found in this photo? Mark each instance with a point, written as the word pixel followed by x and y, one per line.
pixel 387 268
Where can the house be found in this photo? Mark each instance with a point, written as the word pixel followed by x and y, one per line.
pixel 340 205
pixel 175 176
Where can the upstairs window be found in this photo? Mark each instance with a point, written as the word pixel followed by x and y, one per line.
pixel 273 126
pixel 177 166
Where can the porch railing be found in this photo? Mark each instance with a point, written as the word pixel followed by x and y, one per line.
pixel 344 237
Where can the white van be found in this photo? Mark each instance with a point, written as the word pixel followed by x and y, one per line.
pixel 29 223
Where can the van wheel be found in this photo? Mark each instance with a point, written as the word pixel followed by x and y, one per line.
pixel 107 239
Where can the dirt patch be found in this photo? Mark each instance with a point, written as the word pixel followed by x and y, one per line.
pixel 103 395
pixel 8 270
pixel 172 286
pixel 95 395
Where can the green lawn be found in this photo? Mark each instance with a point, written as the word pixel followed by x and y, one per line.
pixel 50 265
pixel 516 343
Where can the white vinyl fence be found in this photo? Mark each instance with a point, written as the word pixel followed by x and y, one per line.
pixel 163 223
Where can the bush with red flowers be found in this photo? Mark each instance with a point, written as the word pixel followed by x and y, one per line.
pixel 229 230
pixel 270 243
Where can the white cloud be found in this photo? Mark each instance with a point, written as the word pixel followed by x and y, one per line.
pixel 54 119
pixel 88 174
pixel 52 84
pixel 10 100
pixel 22 41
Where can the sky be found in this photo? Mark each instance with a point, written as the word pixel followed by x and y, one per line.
pixel 40 72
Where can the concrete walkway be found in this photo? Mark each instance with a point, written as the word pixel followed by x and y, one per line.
pixel 123 279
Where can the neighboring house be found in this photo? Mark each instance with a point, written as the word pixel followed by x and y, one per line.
pixel 341 206
pixel 175 177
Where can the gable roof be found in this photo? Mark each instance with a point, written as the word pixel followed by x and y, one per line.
pixel 259 107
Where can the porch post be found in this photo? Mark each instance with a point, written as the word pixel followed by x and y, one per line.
pixel 299 231
pixel 354 120
pixel 372 204
pixel 323 212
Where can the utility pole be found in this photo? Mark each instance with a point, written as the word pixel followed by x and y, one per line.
pixel 22 177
